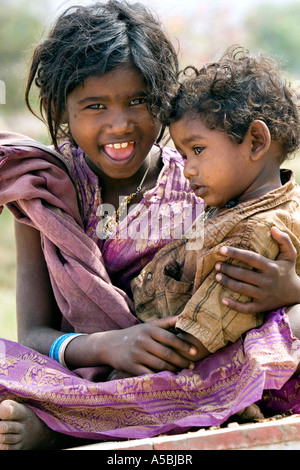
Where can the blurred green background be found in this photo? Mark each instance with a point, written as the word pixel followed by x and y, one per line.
pixel 200 29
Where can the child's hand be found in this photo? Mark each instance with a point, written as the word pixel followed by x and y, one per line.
pixel 149 348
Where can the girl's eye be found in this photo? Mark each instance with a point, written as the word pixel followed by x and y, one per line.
pixel 198 150
pixel 96 106
pixel 138 101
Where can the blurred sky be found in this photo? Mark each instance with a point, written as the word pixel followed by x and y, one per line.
pixel 183 7
pixel 211 20
pixel 167 8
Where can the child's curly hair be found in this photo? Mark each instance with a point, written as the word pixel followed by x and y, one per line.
pixel 233 92
pixel 92 40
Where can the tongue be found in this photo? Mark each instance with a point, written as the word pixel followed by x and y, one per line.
pixel 119 154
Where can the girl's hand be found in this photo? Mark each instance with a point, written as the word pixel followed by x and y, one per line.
pixel 273 284
pixel 148 348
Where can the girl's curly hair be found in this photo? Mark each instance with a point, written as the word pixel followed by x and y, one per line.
pixel 92 40
pixel 233 92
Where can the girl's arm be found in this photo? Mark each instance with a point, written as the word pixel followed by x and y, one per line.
pixel 38 317
pixel 140 349
pixel 272 285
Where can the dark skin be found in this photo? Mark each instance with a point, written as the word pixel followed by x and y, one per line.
pixel 137 350
pixel 142 348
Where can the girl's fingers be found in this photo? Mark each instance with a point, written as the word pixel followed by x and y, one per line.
pixel 287 251
pixel 165 337
pixel 248 307
pixel 165 323
pixel 161 358
pixel 254 260
pixel 243 288
pixel 226 271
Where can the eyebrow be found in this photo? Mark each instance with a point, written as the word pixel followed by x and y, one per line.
pixel 88 99
pixel 191 138
pixel 97 99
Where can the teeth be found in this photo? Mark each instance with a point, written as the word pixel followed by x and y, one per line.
pixel 119 145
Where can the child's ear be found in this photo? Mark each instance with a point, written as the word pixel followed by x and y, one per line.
pixel 260 139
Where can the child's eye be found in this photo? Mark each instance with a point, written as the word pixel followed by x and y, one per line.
pixel 138 101
pixel 198 150
pixel 181 153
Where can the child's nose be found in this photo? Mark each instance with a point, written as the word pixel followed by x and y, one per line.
pixel 190 169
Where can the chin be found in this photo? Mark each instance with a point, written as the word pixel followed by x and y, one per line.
pixel 211 203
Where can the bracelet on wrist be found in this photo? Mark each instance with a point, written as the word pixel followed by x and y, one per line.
pixel 58 347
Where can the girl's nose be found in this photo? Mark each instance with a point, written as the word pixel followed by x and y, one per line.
pixel 120 123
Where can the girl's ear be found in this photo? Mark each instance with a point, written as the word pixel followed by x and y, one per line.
pixel 260 139
pixel 64 118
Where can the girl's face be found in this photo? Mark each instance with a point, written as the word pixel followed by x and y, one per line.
pixel 109 120
pixel 217 168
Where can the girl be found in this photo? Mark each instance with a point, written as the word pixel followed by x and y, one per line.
pixel 104 73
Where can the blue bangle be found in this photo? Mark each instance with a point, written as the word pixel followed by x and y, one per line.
pixel 56 345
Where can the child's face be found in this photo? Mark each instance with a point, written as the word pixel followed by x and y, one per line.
pixel 216 167
pixel 109 120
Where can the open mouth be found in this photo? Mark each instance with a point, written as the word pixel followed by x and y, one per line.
pixel 119 151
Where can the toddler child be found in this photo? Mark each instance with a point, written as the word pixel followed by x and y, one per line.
pixel 234 122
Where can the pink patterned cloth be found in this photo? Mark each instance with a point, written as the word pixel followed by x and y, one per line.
pixel 146 406
pixel 36 186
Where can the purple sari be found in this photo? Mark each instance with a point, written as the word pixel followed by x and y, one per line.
pixel 35 185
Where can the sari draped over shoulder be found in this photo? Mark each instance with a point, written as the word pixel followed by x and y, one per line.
pixel 61 197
